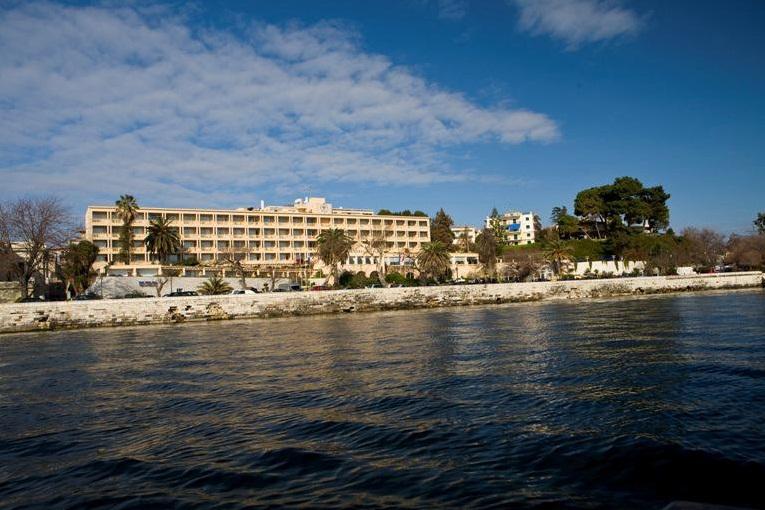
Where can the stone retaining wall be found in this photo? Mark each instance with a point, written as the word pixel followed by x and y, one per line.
pixel 112 312
pixel 9 292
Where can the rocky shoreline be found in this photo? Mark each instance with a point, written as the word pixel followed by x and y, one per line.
pixel 26 317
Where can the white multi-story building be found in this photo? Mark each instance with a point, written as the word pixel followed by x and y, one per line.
pixel 269 236
pixel 464 231
pixel 519 226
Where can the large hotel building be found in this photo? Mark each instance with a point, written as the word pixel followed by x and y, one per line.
pixel 268 237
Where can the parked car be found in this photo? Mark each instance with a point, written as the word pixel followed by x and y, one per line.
pixel 320 287
pixel 243 292
pixel 375 286
pixel 288 287
pixel 87 296
pixel 181 293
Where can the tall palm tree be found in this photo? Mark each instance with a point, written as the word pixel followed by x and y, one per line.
pixel 333 247
pixel 433 259
pixel 162 239
pixel 127 207
pixel 557 253
pixel 214 285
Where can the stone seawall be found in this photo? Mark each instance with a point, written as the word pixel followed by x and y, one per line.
pixel 112 312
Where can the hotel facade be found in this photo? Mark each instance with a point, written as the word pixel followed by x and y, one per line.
pixel 268 238
pixel 519 225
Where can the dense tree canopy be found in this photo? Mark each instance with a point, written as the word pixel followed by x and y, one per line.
pixel 441 229
pixel 405 212
pixel 623 205
pixel 76 265
pixel 488 250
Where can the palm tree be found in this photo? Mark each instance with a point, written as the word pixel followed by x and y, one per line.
pixel 433 259
pixel 557 253
pixel 162 239
pixel 486 244
pixel 126 210
pixel 214 285
pixel 333 247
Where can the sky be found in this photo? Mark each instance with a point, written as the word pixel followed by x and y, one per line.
pixel 396 104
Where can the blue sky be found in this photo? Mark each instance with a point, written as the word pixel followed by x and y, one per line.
pixel 398 104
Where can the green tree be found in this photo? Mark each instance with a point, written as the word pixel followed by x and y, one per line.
pixel 759 223
pixel 333 246
pixel 590 206
pixel 557 213
pixel 441 229
pixel 433 260
pixel 625 203
pixel 557 253
pixel 162 239
pixel 488 250
pixel 214 285
pixel 75 268
pixel 127 207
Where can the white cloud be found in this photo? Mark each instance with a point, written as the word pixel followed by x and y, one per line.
pixel 452 9
pixel 98 102
pixel 577 22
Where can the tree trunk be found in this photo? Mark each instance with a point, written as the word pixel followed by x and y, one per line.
pixel 24 286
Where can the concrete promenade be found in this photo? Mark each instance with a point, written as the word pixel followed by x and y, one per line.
pixel 24 317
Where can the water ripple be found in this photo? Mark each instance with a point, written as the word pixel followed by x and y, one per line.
pixel 608 404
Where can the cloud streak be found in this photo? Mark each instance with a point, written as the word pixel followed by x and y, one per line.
pixel 577 22
pixel 97 102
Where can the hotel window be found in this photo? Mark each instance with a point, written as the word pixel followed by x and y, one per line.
pixel 270 256
pixel 189 231
pixel 284 231
pixel 310 221
pixel 268 219
pixel 223 244
pixel 221 218
pixel 154 216
pixel 297 219
pixel 189 244
pixel 206 231
pixel 171 217
pixel 253 219
pixel 311 232
pixel 298 232
pixel 239 232
pixel 238 219
pixel 189 218
pixel 207 245
pixel 284 256
pixel 364 221
pixel 253 232
pixel 284 244
pixel 223 231
pixel 205 218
